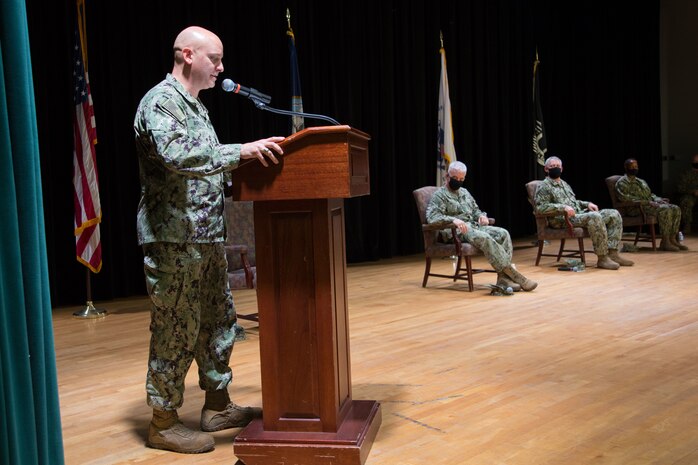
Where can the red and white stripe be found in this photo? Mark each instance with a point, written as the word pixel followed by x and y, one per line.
pixel 88 212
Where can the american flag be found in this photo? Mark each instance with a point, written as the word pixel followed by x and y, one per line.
pixel 88 212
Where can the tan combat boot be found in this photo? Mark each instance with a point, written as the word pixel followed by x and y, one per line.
pixel 168 433
pixel 504 281
pixel 677 243
pixel 525 283
pixel 220 413
pixel 667 245
pixel 606 263
pixel 615 256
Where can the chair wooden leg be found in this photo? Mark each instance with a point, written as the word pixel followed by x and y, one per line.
pixel 469 269
pixel 580 240
pixel 654 238
pixel 249 277
pixel 427 268
pixel 541 243
pixel 562 247
pixel 637 235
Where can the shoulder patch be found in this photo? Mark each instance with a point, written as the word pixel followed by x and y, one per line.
pixel 173 110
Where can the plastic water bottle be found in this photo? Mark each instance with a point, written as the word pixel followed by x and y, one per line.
pixel 680 236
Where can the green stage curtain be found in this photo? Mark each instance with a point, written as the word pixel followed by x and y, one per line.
pixel 30 426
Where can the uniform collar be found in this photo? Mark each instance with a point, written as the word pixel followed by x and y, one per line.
pixel 180 88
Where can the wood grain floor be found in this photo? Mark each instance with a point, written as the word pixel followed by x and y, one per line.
pixel 596 367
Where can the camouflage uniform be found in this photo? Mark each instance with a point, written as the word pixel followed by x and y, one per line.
pixel 494 242
pixel 687 185
pixel 181 227
pixel 636 189
pixel 605 226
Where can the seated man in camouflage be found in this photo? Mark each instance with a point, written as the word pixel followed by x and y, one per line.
pixel 455 204
pixel 630 188
pixel 688 188
pixel 605 226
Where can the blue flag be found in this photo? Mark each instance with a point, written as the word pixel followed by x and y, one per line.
pixel 297 122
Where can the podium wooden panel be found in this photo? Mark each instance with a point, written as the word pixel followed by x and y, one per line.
pixel 310 416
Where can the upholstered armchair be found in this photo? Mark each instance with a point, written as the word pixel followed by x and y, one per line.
pixel 547 233
pixel 239 246
pixel 433 248
pixel 639 221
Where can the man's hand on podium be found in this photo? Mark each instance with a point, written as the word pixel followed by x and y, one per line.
pixel 262 149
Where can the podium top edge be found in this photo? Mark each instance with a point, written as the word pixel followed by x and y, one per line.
pixel 323 130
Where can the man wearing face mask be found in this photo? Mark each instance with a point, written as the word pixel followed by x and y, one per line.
pixel 605 226
pixel 688 188
pixel 630 188
pixel 453 203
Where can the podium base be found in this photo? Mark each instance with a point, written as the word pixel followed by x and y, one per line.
pixel 348 446
pixel 90 312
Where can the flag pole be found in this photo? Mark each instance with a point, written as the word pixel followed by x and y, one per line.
pixel 86 191
pixel 90 311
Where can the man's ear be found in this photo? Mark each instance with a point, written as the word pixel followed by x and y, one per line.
pixel 187 55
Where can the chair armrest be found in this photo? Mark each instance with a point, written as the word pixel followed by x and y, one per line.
pixel 438 226
pixel 570 227
pixel 627 203
pixel 621 206
pixel 237 248
pixel 537 214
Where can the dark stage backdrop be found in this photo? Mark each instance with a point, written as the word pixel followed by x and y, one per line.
pixel 370 64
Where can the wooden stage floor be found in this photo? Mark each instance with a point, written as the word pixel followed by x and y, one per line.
pixel 596 367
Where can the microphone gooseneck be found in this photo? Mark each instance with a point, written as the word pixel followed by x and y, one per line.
pixel 261 100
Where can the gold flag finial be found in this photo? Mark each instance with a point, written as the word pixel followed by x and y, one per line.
pixel 288 17
pixel 441 38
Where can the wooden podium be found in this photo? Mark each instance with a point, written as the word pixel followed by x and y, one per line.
pixel 310 417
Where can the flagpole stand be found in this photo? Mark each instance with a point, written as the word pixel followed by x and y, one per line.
pixel 90 311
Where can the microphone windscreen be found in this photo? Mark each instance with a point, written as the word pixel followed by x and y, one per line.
pixel 228 85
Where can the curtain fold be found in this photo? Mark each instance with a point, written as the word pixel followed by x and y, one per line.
pixel 30 427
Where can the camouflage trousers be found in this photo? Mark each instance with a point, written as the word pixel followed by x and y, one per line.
pixel 192 318
pixel 605 228
pixel 494 242
pixel 686 204
pixel 668 217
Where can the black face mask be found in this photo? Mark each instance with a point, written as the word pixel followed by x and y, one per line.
pixel 695 165
pixel 631 172
pixel 455 184
pixel 554 173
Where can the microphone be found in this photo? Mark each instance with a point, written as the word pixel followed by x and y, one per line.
pixel 253 94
